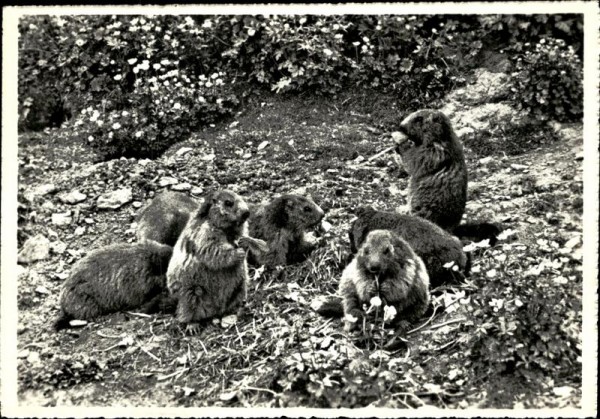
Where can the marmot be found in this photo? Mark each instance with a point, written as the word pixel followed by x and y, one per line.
pixel 283 224
pixel 114 278
pixel 208 272
pixel 385 266
pixel 434 246
pixel 433 157
pixel 165 217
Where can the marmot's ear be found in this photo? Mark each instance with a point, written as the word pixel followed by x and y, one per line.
pixel 206 204
pixel 277 211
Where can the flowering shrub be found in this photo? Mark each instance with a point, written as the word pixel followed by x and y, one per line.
pixel 71 63
pixel 526 323
pixel 161 110
pixel 548 81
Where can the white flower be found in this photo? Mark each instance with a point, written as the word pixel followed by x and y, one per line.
pixel 209 84
pixel 116 125
pixel 177 105
pixel 214 76
pixel 375 301
pixel 251 31
pixel 132 61
pixel 100 122
pixel 356 44
pixel 219 101
pixel 364 48
pixel 389 313
pixel 365 40
pixel 118 77
pixel 327 52
pixel 201 99
pixel 156 66
pixel 219 82
pixel 110 134
pixel 207 23
pixel 166 82
pixel 124 113
pixel 79 42
pixel 90 138
pixel 136 70
pixel 164 62
pixel 138 134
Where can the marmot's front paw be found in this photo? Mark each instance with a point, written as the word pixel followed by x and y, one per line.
pixel 240 254
pixel 192 329
pixel 255 245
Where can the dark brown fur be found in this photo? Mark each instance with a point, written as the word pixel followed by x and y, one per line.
pixel 434 159
pixel 165 217
pixel 387 267
pixel 283 224
pixel 114 278
pixel 208 271
pixel 434 245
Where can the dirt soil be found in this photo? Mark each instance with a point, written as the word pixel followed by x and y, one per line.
pixel 279 353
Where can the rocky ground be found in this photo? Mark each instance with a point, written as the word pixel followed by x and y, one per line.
pixel 280 353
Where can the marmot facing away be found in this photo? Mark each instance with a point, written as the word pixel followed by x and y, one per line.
pixel 434 246
pixel 165 217
pixel 283 224
pixel 434 159
pixel 114 278
pixel 387 267
pixel 208 272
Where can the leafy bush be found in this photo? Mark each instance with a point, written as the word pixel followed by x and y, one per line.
pixel 160 111
pixel 527 324
pixel 548 81
pixel 71 63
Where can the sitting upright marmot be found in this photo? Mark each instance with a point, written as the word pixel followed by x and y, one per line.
pixel 114 278
pixel 283 224
pixel 208 272
pixel 433 157
pixel 435 246
pixel 387 267
pixel 165 217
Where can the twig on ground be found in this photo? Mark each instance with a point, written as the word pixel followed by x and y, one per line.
pixel 260 389
pixel 99 333
pixel 144 315
pixel 166 377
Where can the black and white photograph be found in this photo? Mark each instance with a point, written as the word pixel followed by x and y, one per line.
pixel 300 210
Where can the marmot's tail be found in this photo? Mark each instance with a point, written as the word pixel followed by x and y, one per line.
pixel 477 232
pixel 328 306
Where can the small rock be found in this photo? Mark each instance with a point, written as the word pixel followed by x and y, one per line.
pixel 167 181
pixel 77 323
pixel 262 145
pixel 35 248
pixel 144 162
pixel 88 220
pixel 518 166
pixel 183 150
pixel 208 157
pixel 72 198
pixel 80 231
pixel 358 160
pixel 486 160
pixel 564 391
pixel 41 190
pixel 137 204
pixel 62 219
pixel 115 199
pixel 247 155
pixel 333 171
pixel 197 190
pixel 42 290
pixel 228 321
pixel 58 247
pixel 182 187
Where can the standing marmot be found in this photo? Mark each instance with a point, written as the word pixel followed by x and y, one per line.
pixel 165 217
pixel 387 267
pixel 283 224
pixel 433 157
pixel 435 246
pixel 114 278
pixel 208 272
